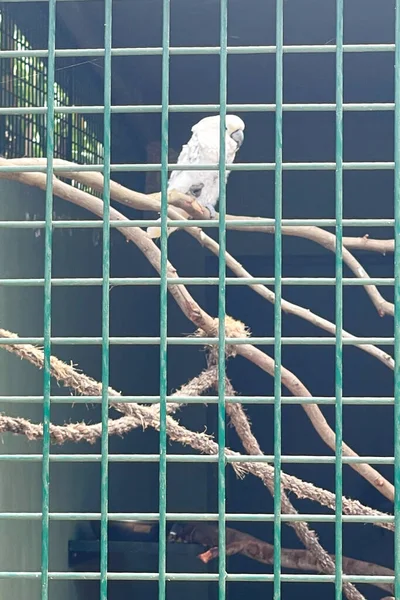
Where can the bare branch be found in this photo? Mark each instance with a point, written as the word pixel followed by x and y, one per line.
pixel 286 306
pixel 151 202
pixel 366 243
pixel 323 238
pixel 134 199
pixel 131 198
pixel 237 542
pixel 328 241
pixel 203 321
pixel 309 537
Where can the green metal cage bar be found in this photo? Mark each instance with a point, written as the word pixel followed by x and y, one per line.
pixel 326 400
pixel 97 281
pixel 148 458
pixel 189 108
pixel 163 340
pixel 223 40
pixel 397 305
pixel 339 306
pixel 199 341
pixel 47 303
pixel 250 518
pixel 278 297
pixel 199 50
pixel 135 167
pixel 105 367
pixel 162 541
pixel 90 575
pixel 197 223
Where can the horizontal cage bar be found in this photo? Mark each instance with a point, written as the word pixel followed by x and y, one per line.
pixel 127 281
pixel 145 167
pixel 248 517
pixel 193 458
pixel 198 341
pixel 193 50
pixel 243 222
pixel 360 401
pixel 287 578
pixel 194 108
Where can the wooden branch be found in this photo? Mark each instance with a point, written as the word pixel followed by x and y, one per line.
pixel 132 198
pixel 124 197
pixel 305 534
pixel 316 234
pixel 328 241
pixel 237 542
pixel 151 202
pixel 143 416
pixel 320 236
pixel 286 306
pixel 366 243
pixel 202 320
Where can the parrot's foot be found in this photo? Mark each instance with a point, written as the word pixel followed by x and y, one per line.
pixel 211 210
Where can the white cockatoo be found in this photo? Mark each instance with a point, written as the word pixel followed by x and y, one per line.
pixel 203 148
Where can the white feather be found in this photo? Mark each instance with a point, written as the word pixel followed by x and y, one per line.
pixel 203 148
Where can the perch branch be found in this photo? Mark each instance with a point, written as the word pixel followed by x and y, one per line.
pixel 328 241
pixel 204 322
pixel 151 202
pixel 323 238
pixel 366 243
pixel 143 416
pixel 237 542
pixel 305 534
pixel 286 306
pixel 135 199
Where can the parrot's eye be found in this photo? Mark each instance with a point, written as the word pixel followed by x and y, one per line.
pixel 238 137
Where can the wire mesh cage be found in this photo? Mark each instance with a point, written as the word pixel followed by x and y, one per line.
pixel 123 474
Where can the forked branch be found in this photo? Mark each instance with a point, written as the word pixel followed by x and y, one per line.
pixel 203 321
pixel 237 542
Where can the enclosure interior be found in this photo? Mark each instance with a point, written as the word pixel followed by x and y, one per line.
pixel 308 136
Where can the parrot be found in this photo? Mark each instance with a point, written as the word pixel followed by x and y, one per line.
pixel 203 148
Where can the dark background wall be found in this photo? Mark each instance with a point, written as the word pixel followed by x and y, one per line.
pixel 368 136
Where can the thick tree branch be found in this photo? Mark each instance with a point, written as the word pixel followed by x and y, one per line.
pixel 286 306
pixel 203 321
pixel 328 241
pixel 237 542
pixel 306 535
pixel 320 236
pixel 151 202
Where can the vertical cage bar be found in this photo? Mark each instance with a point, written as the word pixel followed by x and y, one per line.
pixel 47 302
pixel 105 362
pixel 222 302
pixel 162 548
pixel 397 303
pixel 278 298
pixel 339 301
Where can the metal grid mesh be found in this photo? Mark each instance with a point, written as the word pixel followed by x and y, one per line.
pixel 50 111
pixel 23 85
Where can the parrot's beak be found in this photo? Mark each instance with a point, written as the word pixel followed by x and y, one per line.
pixel 238 137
